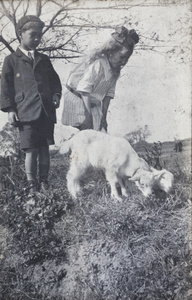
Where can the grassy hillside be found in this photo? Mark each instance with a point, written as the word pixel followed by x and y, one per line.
pixel 94 248
pixel 169 158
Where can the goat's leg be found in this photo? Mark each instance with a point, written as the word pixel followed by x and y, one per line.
pixel 73 180
pixel 122 185
pixel 113 180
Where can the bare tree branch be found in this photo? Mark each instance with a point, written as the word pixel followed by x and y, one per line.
pixel 65 27
pixel 38 8
pixel 27 7
pixel 71 37
pixel 7 45
pixel 6 12
pixel 13 14
pixel 52 20
pixel 18 6
pixel 64 57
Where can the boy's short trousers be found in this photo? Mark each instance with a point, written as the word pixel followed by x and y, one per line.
pixel 37 133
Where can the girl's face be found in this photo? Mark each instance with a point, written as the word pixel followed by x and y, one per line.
pixel 31 38
pixel 119 58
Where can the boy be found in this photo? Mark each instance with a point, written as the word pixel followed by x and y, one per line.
pixel 30 93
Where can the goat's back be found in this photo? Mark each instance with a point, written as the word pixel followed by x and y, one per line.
pixel 101 149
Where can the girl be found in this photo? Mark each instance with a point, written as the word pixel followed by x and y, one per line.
pixel 91 85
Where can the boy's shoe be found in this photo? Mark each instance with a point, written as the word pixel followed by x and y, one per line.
pixel 32 187
pixel 44 186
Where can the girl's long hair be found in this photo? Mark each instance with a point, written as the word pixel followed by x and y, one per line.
pixel 107 49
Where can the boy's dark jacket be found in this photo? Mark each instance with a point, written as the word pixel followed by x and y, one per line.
pixel 28 89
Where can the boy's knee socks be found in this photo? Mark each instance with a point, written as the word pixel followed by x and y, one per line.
pixel 43 172
pixel 31 161
pixel 31 164
pixel 44 162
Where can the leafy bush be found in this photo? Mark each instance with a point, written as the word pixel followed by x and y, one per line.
pixel 153 155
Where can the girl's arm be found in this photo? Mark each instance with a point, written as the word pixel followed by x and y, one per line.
pixel 106 102
pixel 88 123
pixel 87 103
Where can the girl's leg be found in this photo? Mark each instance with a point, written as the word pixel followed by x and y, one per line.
pixel 44 163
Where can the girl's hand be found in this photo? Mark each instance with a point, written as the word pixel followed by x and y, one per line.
pixel 56 100
pixel 104 124
pixel 88 123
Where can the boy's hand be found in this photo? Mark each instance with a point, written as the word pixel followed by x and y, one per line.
pixel 56 100
pixel 13 118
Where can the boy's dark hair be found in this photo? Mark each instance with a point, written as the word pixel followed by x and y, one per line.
pixel 25 20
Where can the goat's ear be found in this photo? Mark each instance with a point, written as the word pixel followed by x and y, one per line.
pixel 159 175
pixel 152 169
pixel 135 178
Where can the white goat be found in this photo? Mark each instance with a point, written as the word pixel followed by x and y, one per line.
pixel 117 159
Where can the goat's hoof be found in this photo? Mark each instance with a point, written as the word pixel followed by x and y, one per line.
pixel 125 195
pixel 117 199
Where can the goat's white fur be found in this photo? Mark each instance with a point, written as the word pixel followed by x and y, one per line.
pixel 116 158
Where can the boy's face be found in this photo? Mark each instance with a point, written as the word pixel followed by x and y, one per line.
pixel 31 38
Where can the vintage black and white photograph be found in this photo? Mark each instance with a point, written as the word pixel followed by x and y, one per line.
pixel 95 150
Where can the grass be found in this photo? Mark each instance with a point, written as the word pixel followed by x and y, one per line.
pixel 53 248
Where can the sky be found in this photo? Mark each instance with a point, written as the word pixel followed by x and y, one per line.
pixel 155 87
